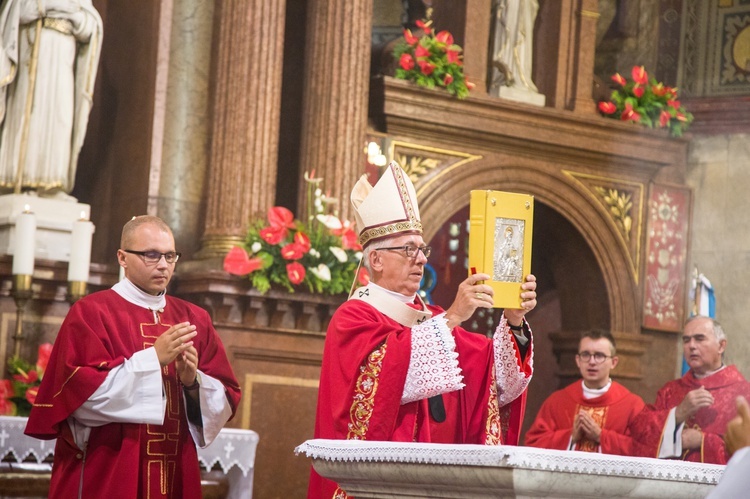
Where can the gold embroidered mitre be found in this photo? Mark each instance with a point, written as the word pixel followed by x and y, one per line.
pixel 388 209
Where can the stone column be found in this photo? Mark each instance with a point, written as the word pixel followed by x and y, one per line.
pixel 181 120
pixel 334 120
pixel 248 52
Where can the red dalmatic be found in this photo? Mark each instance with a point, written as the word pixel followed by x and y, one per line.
pixel 122 459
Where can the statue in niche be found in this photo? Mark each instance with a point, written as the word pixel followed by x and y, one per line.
pixel 50 54
pixel 513 36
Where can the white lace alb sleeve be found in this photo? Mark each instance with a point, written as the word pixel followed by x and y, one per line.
pixel 433 367
pixel 511 380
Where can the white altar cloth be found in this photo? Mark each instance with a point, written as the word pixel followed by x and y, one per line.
pixel 233 450
pixel 386 469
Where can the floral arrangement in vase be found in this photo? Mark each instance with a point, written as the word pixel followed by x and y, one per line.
pixel 432 60
pixel 647 102
pixel 320 255
pixel 19 392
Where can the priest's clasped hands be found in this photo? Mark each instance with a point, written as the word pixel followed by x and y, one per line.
pixel 176 344
pixel 585 426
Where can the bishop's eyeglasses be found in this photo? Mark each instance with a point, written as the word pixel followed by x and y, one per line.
pixel 411 251
pixel 597 356
pixel 152 257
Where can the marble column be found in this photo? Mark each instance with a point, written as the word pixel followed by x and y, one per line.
pixel 334 120
pixel 181 120
pixel 248 51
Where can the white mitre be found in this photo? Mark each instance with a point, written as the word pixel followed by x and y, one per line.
pixel 388 209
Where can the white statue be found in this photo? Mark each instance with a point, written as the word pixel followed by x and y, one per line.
pixel 513 50
pixel 50 54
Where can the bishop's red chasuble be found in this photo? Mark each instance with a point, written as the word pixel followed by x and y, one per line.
pixel 122 460
pixel 365 362
pixel 612 411
pixel 724 385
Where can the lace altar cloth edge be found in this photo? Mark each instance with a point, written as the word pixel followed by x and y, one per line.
pixel 513 457
pixel 232 447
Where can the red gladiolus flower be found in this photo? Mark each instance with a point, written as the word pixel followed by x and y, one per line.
pixel 45 350
pixel 274 235
pixel 628 114
pixel 681 117
pixel 638 91
pixel 292 251
pixel 453 56
pixel 406 62
pixel 426 67
pixel 236 262
pixel 31 394
pixel 469 85
pixel 674 103
pixel 296 272
pixel 444 37
pixel 607 107
pixel 410 39
pixel 421 51
pixel 363 277
pixel 664 118
pixel 421 24
pixel 303 241
pixel 448 79
pixel 617 78
pixel 639 75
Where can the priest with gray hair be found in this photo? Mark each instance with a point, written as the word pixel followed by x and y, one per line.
pixel 397 369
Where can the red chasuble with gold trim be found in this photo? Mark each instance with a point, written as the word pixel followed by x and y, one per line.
pixel 123 460
pixel 365 362
pixel 612 411
pixel 724 385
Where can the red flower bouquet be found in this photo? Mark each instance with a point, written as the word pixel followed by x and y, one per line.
pixel 432 60
pixel 19 392
pixel 321 255
pixel 647 102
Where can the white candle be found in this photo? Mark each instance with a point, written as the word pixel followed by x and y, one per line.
pixel 23 253
pixel 80 250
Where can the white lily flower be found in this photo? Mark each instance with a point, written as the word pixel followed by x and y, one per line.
pixel 322 272
pixel 339 253
pixel 358 255
pixel 314 253
pixel 256 247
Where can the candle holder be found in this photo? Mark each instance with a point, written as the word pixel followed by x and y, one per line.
pixel 21 293
pixel 76 291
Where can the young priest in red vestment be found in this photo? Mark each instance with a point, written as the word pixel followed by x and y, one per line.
pixel 591 415
pixel 135 381
pixel 690 415
pixel 396 369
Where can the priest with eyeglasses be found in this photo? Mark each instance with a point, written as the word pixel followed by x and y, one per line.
pixel 593 414
pixel 136 380
pixel 397 369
